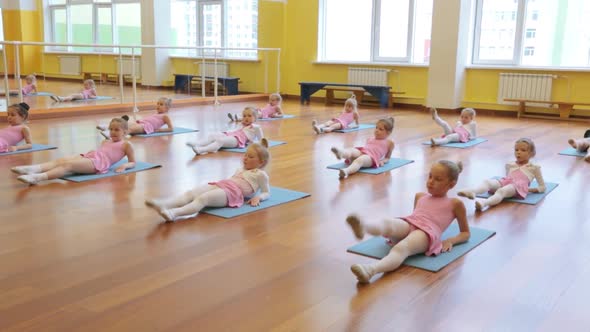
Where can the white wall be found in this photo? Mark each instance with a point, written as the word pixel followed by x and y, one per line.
pixel 155 30
pixel 18 4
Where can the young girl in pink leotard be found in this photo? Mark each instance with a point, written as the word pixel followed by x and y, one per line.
pixel 149 124
pixel 421 231
pixel 30 86
pixel 271 110
pixel 232 192
pixel 89 92
pixel 464 131
pixel 345 120
pixel 519 176
pixel 10 136
pixel 248 132
pixel 375 153
pixel 582 144
pixel 93 162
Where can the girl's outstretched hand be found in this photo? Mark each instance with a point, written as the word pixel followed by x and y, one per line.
pixel 254 201
pixel 447 246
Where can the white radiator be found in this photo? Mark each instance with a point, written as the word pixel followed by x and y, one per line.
pixel 208 69
pixel 368 76
pixel 525 86
pixel 69 65
pixel 128 66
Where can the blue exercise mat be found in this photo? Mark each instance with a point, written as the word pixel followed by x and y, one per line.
pixel 139 166
pixel 285 116
pixel 531 198
pixel 378 247
pixel 572 152
pixel 392 164
pixel 360 127
pixel 46 94
pixel 460 145
pixel 277 196
pixel 243 150
pixel 97 98
pixel 176 130
pixel 36 147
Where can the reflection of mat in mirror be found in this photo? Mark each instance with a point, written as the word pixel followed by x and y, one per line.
pixel 2 105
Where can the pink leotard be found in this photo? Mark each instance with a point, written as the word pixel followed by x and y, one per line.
pixel 240 135
pixel 235 188
pixel 152 123
pixel 89 93
pixel 28 89
pixel 10 136
pixel 432 215
pixel 345 119
pixel 268 111
pixel 106 155
pixel 519 180
pixel 376 149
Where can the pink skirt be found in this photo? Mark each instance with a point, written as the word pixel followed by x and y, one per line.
pixel 235 198
pixel 463 134
pixel 240 137
pixel 101 164
pixel 148 128
pixel 522 186
pixel 374 156
pixel 4 146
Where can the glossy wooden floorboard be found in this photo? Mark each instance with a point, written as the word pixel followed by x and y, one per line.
pixel 90 257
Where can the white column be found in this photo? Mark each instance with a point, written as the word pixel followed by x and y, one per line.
pixel 451 27
pixel 155 30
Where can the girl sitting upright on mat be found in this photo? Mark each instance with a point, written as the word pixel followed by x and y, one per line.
pixel 230 192
pixel 349 115
pixel 248 132
pixel 464 131
pixel 150 124
pixel 93 162
pixel 519 176
pixel 375 153
pixel 421 231
pixel 17 131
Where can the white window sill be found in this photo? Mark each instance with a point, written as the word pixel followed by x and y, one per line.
pixel 391 64
pixel 506 67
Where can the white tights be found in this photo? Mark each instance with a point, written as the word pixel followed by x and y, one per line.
pixel 499 192
pixel 217 141
pixel 359 160
pixel 194 200
pixel 411 243
pixel 450 136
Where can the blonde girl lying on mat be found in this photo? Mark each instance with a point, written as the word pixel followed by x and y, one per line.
pixel 93 162
pixel 246 182
pixel 421 231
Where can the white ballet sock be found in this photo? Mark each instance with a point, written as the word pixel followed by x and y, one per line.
pixel 30 169
pixel 357 226
pixel 32 178
pixel 337 152
pixel 156 205
pixel 363 273
pixel 342 173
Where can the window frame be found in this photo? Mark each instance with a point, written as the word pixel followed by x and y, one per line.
pixel 95 24
pixel 374 56
pixel 225 40
pixel 518 36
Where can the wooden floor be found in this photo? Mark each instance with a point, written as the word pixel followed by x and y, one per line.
pixel 91 257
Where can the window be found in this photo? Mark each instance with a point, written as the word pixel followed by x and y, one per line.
pixel 101 22
pixel 548 33
pixel 375 30
pixel 530 33
pixel 215 23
